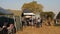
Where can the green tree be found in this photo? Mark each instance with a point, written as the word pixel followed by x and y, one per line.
pixel 48 14
pixel 33 6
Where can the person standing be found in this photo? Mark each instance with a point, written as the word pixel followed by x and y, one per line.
pixel 39 23
pixel 49 21
pixel 5 30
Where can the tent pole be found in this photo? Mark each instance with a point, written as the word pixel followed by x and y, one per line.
pixel 15 23
pixel 32 19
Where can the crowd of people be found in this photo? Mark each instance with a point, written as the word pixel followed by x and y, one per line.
pixel 6 28
pixel 35 22
pixel 32 22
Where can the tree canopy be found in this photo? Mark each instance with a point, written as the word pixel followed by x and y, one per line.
pixel 47 14
pixel 33 6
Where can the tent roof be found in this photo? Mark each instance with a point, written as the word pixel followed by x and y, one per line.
pixel 3 11
pixel 26 11
pixel 29 14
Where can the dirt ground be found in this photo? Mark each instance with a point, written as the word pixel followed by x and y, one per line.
pixel 42 30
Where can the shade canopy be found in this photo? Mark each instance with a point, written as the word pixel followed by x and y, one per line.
pixel 28 16
pixel 4 11
pixel 27 12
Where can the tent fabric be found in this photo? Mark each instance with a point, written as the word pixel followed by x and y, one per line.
pixel 3 11
pixel 27 12
pixel 6 20
pixel 58 16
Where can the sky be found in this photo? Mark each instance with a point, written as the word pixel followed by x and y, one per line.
pixel 49 5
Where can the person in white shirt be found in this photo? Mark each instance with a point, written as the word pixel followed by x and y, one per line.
pixel 39 22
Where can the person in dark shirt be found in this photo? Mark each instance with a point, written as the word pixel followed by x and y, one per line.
pixel 5 31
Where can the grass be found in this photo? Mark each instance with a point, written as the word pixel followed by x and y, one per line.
pixel 42 30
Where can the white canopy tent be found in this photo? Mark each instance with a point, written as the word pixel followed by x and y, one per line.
pixel 29 14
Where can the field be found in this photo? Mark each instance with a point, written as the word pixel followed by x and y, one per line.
pixel 42 30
